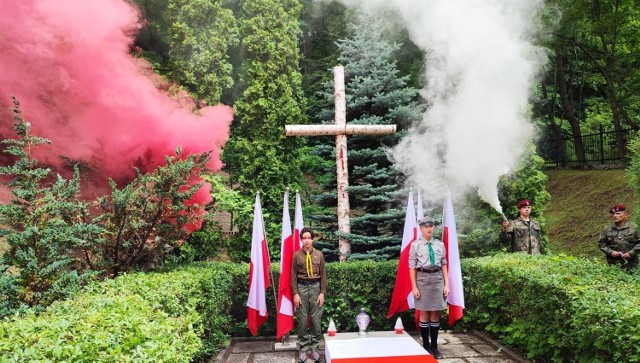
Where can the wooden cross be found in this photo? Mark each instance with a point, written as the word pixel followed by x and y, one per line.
pixel 341 130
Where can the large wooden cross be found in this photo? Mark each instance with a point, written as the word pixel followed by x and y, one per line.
pixel 341 130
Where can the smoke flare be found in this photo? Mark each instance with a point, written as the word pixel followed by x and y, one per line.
pixel 480 64
pixel 69 63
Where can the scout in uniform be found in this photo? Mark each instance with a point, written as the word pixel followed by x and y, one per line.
pixel 308 286
pixel 429 283
pixel 620 240
pixel 523 233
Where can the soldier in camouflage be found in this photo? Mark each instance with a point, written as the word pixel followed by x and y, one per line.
pixel 620 240
pixel 523 233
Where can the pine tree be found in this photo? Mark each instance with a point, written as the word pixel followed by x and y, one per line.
pixel 151 216
pixel 44 225
pixel 376 94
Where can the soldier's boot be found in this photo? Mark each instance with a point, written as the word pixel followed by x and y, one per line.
pixel 434 339
pixel 424 332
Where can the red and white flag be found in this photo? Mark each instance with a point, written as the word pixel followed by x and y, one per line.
pixel 450 240
pixel 419 216
pixel 298 224
pixel 284 323
pixel 258 272
pixel 402 298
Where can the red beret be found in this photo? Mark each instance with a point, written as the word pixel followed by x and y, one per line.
pixel 524 203
pixel 617 208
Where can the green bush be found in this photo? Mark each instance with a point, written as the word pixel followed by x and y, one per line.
pixel 552 308
pixel 555 308
pixel 175 316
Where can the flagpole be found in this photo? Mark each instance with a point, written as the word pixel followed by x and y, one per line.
pixel 275 295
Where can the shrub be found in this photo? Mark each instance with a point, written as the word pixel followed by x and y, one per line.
pixel 44 225
pixel 176 316
pixel 555 308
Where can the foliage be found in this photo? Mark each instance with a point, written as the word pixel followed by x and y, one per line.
pixel 238 247
pixel 594 46
pixel 44 224
pixel 151 215
pixel 481 225
pixel 259 155
pixel 378 95
pixel 200 33
pixel 188 41
pixel 633 171
pixel 553 308
pixel 175 316
pixel 557 308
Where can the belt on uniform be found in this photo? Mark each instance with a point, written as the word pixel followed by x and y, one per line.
pixel 428 270
pixel 308 282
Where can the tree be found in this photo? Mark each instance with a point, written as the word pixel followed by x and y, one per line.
pixel 152 215
pixel 376 94
pixel 44 225
pixel 193 38
pixel 259 155
pixel 595 46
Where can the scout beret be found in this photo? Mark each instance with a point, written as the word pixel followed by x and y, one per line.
pixel 524 203
pixel 426 221
pixel 617 208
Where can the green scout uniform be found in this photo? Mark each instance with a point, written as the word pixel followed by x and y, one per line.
pixel 309 280
pixel 524 236
pixel 624 238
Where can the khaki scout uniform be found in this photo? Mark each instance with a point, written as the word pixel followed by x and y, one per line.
pixel 524 236
pixel 309 287
pixel 624 238
pixel 429 279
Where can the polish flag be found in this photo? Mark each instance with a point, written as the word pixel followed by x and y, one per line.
pixel 298 224
pixel 402 298
pixel 284 323
pixel 450 240
pixel 258 273
pixel 419 216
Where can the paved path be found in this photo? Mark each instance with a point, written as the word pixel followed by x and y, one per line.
pixel 455 347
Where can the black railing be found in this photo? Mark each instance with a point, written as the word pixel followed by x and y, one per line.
pixel 599 149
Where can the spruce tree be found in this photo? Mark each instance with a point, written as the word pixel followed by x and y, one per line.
pixel 376 94
pixel 44 225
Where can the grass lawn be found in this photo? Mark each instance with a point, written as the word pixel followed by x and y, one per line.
pixel 579 208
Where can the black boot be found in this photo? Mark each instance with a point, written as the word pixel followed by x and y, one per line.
pixel 434 340
pixel 424 332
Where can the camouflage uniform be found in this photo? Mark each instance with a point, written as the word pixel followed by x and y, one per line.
pixel 624 238
pixel 524 236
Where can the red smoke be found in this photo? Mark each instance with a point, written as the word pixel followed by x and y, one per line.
pixel 68 62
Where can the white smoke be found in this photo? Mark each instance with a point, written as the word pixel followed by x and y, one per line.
pixel 480 65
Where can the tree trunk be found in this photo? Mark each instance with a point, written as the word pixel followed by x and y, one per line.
pixel 558 137
pixel 561 86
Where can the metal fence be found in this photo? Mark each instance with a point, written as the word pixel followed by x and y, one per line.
pixel 599 149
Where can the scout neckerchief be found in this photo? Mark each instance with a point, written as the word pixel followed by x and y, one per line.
pixel 432 256
pixel 308 264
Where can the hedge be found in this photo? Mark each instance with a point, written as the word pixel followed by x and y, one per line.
pixel 177 316
pixel 555 308
pixel 549 307
pixel 181 315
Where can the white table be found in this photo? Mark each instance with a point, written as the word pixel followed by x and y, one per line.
pixel 376 347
